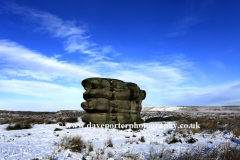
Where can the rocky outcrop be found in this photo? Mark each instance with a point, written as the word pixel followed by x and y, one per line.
pixel 111 101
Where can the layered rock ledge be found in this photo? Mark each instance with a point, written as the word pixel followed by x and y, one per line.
pixel 111 101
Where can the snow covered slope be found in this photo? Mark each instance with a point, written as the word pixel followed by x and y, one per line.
pixel 38 142
pixel 162 108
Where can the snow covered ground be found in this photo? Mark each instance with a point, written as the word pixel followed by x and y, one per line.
pixel 194 109
pixel 162 108
pixel 38 142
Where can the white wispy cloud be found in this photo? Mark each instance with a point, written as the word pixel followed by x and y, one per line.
pixel 183 24
pixel 28 72
pixel 41 89
pixel 40 96
pixel 20 61
pixel 193 13
pixel 39 105
pixel 224 94
pixel 24 62
pixel 188 21
pixel 73 35
pixel 78 43
pixel 13 73
pixel 48 22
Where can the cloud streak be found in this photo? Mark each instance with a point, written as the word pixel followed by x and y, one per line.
pixel 35 105
pixel 217 95
pixel 74 36
pixel 40 89
pixel 31 73
pixel 20 61
pixel 183 24
pixel 193 13
pixel 28 72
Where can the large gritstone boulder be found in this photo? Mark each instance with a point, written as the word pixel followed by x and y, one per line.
pixel 111 101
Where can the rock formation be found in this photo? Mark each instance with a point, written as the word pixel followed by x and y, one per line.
pixel 111 101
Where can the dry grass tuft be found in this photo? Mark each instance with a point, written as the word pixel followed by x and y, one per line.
pixel 110 155
pixel 90 146
pixel 237 117
pixel 109 142
pixel 194 130
pixel 236 132
pixel 173 139
pixel 223 152
pixel 74 143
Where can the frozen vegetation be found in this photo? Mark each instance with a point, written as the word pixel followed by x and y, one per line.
pixel 218 137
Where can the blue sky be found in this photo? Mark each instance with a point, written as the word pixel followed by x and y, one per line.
pixel 180 52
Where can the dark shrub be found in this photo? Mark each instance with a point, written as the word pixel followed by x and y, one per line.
pixel 142 139
pixel 159 119
pixel 19 126
pixel 62 121
pixel 71 119
pixel 174 140
pixel 57 129
pixel 192 140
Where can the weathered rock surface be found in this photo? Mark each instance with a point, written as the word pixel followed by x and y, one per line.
pixel 111 101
